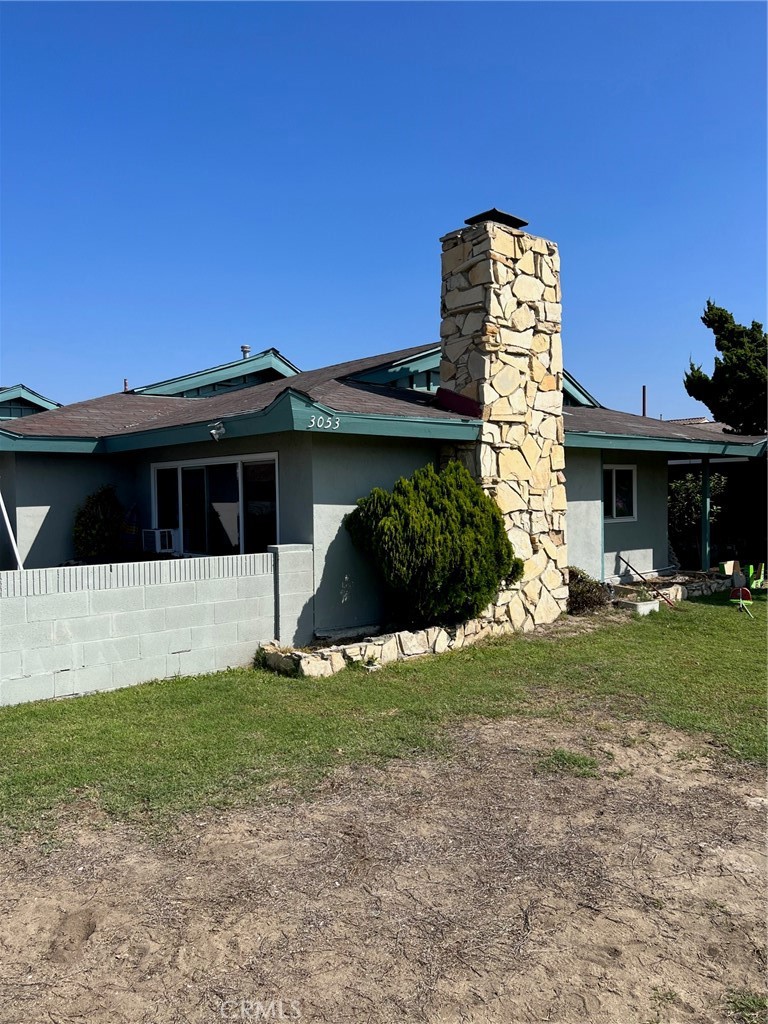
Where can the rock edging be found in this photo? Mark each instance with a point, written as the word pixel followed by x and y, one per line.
pixel 375 651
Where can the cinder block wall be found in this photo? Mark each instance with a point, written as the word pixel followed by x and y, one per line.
pixel 80 629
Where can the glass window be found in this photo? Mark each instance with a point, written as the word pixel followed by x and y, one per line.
pixel 259 506
pixel 222 509
pixel 608 493
pixel 167 491
pixel 619 486
pixel 195 539
pixel 624 493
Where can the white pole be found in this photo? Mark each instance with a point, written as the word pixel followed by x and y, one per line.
pixel 10 532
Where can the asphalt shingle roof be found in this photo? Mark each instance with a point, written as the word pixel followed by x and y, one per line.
pixel 128 412
pixel 582 420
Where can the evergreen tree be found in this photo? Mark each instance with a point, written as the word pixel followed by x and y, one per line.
pixel 735 394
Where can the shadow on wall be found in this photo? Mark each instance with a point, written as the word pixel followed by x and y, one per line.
pixel 50 536
pixel 305 626
pixel 644 560
pixel 348 593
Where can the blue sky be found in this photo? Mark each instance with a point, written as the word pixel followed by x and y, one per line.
pixel 180 179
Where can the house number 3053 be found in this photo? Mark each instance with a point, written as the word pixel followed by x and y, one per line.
pixel 324 422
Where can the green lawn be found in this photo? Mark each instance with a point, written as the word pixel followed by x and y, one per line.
pixel 152 751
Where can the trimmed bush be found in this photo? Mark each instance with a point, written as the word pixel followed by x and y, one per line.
pixel 98 526
pixel 584 593
pixel 439 544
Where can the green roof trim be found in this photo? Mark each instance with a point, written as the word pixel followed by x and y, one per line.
pixel 21 391
pixel 578 393
pixel 268 360
pixel 393 372
pixel 293 410
pixel 669 445
pixel 430 361
pixel 55 445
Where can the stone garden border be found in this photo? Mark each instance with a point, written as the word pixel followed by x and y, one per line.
pixel 376 651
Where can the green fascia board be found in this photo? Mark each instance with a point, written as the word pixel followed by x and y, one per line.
pixel 22 391
pixel 270 359
pixel 306 413
pixel 670 446
pixel 403 368
pixel 54 445
pixel 578 393
pixel 275 419
pixel 294 411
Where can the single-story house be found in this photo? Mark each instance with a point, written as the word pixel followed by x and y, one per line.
pixel 253 453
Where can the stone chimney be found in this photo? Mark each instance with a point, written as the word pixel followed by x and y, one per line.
pixel 502 358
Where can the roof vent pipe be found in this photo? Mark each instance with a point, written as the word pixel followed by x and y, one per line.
pixel 246 350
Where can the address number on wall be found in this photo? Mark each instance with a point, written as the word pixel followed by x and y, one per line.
pixel 324 423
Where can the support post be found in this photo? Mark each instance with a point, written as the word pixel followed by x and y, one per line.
pixel 9 529
pixel 705 509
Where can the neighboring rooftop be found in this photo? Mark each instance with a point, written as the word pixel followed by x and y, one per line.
pixel 19 400
pixel 242 373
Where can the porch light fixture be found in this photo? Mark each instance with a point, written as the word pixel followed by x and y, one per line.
pixel 216 430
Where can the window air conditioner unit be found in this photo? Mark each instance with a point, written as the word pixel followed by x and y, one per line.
pixel 160 542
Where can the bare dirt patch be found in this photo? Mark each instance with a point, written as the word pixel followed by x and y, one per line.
pixel 476 889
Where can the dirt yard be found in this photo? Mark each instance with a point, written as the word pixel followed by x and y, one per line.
pixel 476 889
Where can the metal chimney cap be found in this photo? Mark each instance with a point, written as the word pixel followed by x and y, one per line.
pixel 246 350
pixel 499 217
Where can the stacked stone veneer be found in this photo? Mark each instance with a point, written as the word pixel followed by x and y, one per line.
pixel 501 348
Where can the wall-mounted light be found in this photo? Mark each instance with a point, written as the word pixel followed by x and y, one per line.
pixel 216 430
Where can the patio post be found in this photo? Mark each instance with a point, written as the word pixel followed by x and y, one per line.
pixel 705 509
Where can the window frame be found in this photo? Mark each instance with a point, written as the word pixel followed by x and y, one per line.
pixel 236 460
pixel 613 466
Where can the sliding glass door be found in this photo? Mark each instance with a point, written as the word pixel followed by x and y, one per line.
pixel 221 507
pixel 259 506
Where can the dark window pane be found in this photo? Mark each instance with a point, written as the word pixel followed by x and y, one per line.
pixel 259 506
pixel 223 510
pixel 625 504
pixel 608 493
pixel 193 509
pixel 167 483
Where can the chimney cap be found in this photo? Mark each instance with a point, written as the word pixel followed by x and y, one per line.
pixel 499 217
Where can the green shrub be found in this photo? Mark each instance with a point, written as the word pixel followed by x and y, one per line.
pixel 98 526
pixel 438 542
pixel 584 593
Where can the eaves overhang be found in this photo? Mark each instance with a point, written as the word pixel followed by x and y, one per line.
pixel 669 445
pixel 295 411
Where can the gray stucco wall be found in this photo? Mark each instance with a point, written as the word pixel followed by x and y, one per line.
pixel 584 518
pixel 345 469
pixel 644 542
pixel 48 491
